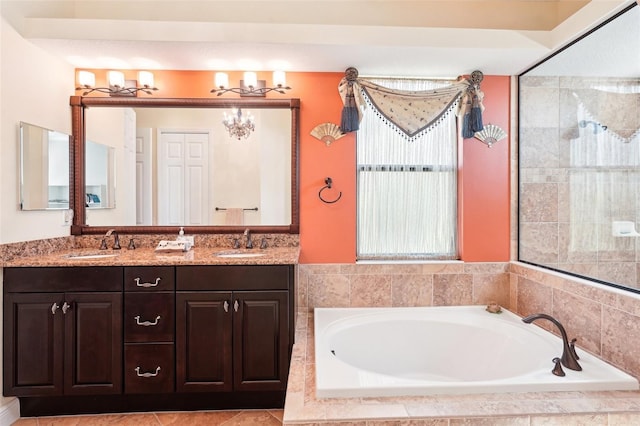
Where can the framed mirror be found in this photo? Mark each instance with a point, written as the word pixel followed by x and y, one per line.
pixel 178 165
pixel 44 168
pixel 579 156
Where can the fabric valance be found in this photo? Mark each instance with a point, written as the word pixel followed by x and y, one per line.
pixel 411 111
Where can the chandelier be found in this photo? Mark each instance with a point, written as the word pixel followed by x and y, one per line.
pixel 250 85
pixel 238 125
pixel 117 83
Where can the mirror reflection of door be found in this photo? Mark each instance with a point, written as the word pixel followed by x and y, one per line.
pixel 144 176
pixel 183 177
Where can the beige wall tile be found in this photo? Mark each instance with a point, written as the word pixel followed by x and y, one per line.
pixel 328 291
pixel 491 288
pixel 621 339
pixel 581 319
pixel 411 290
pixel 370 291
pixel 533 298
pixel 452 289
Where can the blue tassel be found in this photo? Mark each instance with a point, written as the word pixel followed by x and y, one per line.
pixel 476 120
pixel 467 131
pixel 349 121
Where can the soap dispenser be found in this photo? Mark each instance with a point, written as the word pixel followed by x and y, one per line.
pixel 188 239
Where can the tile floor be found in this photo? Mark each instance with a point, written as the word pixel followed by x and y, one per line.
pixel 194 418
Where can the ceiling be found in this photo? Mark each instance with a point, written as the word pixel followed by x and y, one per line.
pixel 427 38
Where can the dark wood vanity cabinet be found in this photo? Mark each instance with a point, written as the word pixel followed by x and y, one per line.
pixel 62 331
pixel 110 339
pixel 234 328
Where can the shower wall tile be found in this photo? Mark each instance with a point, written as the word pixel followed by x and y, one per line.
pixel 618 273
pixel 542 148
pixel 539 81
pixel 541 109
pixel 539 242
pixel 539 202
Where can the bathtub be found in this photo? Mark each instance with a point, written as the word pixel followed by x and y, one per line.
pixel 369 352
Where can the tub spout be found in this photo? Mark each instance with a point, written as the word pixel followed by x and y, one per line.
pixel 568 358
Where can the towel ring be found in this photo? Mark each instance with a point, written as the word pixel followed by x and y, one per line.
pixel 328 182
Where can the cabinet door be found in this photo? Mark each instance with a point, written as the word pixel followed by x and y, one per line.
pixel 261 340
pixel 33 344
pixel 93 343
pixel 203 341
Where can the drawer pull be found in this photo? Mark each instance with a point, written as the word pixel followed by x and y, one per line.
pixel 147 374
pixel 146 285
pixel 54 308
pixel 65 307
pixel 226 306
pixel 146 323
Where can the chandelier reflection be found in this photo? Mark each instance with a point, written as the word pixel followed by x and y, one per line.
pixel 238 125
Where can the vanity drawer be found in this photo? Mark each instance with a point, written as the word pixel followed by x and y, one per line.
pixel 149 317
pixel 149 278
pixel 149 368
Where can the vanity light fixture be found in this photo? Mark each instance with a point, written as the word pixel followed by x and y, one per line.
pixel 250 85
pixel 238 125
pixel 117 83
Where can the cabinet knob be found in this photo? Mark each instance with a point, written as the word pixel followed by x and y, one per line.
pixel 226 306
pixel 146 323
pixel 139 284
pixel 66 307
pixel 147 374
pixel 236 305
pixel 54 308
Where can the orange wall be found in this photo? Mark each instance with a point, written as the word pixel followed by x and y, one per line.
pixel 328 231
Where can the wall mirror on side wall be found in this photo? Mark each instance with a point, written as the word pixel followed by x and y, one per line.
pixel 178 165
pixel 44 168
pixel 579 156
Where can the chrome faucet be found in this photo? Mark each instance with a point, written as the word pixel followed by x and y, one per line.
pixel 116 240
pixel 249 243
pixel 569 358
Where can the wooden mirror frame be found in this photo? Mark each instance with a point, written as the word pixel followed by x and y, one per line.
pixel 77 171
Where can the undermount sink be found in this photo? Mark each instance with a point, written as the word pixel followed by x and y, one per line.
pixel 81 256
pixel 238 254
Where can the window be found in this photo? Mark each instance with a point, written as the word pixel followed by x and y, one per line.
pixel 407 197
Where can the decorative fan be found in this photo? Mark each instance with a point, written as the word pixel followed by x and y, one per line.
pixel 490 134
pixel 327 132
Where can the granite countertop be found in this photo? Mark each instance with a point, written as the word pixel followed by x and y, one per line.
pixel 149 257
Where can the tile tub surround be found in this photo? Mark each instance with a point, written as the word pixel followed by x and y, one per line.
pixel 526 409
pixel 522 288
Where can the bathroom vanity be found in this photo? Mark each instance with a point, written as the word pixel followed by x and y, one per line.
pixel 140 331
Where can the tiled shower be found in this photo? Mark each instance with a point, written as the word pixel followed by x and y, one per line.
pixel 579 176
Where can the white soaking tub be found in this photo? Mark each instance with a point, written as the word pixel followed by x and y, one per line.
pixel 445 350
